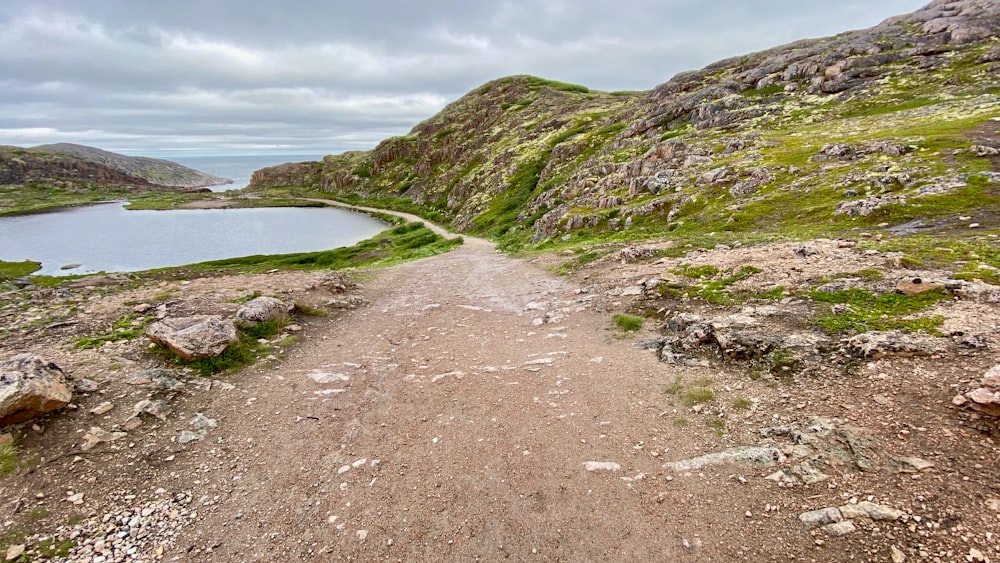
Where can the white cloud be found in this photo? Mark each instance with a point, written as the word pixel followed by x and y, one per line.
pixel 331 76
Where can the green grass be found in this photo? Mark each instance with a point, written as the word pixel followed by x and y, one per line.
pixel 713 283
pixel 308 310
pixel 742 404
pixel 716 424
pixel 536 83
pixel 502 213
pixel 126 327
pixel 160 201
pixel 9 270
pixel 289 340
pixel 245 298
pixel 627 323
pixel 405 242
pixel 675 387
pixel 8 459
pixel 764 92
pixel 774 294
pixel 866 312
pixel 402 204
pixel 697 396
pixel 696 272
pixel 49 548
pixel 244 352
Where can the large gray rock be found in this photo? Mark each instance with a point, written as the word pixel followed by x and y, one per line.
pixel 194 338
pixel 31 386
pixel 262 310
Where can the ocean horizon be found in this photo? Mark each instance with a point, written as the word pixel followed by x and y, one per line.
pixel 238 168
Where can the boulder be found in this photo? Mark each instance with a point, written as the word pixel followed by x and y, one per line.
pixel 31 386
pixel 262 310
pixel 194 338
pixel 867 206
pixel 916 286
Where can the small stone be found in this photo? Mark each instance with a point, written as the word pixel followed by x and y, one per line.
pixel 201 422
pixel 840 528
pixel 601 466
pixel 158 409
pixel 913 464
pixel 96 435
pixel 362 534
pixel 882 400
pixel 897 555
pixel 959 400
pixel 131 424
pixel 102 408
pixel 993 504
pixel 187 436
pixel 879 512
pixel 86 385
pixel 976 556
pixel 14 552
pixel 821 517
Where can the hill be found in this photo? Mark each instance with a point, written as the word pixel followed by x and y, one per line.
pixel 152 170
pixel 892 127
pixel 50 177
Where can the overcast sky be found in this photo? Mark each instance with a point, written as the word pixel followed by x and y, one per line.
pixel 319 76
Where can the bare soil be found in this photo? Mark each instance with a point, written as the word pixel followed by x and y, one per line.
pixel 454 417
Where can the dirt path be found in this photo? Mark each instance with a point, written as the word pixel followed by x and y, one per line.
pixel 455 427
pixel 483 409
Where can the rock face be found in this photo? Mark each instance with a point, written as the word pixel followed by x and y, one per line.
pixel 31 386
pixel 262 310
pixel 194 338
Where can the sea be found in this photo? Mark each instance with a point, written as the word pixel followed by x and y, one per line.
pixel 238 168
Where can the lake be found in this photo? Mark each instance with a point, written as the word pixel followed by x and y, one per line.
pixel 109 238
pixel 238 168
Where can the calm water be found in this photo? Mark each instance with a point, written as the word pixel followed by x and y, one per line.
pixel 109 238
pixel 238 168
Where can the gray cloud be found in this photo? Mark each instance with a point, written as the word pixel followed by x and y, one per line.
pixel 221 76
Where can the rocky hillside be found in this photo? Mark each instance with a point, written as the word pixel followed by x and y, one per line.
pixel 890 127
pixel 152 170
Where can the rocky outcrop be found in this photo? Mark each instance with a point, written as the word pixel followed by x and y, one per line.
pixel 153 170
pixel 876 345
pixel 89 168
pixel 31 386
pixel 194 338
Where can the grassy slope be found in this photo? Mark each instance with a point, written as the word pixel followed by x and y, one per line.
pixel 530 163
